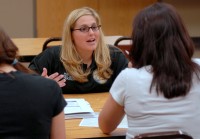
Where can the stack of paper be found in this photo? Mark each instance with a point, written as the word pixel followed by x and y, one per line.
pixel 78 108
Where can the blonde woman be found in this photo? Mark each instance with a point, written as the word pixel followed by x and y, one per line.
pixel 84 60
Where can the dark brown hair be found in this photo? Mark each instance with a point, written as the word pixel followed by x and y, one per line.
pixel 161 40
pixel 8 53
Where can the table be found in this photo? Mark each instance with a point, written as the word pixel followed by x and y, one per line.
pixel 33 46
pixel 29 46
pixel 73 130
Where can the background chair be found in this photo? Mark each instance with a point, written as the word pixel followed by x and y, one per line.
pixel 124 43
pixel 196 41
pixel 51 42
pixel 164 135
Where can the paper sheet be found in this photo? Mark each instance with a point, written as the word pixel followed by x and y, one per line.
pixel 78 108
pixel 93 122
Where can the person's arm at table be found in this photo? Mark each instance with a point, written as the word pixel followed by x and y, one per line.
pixel 58 127
pixel 110 116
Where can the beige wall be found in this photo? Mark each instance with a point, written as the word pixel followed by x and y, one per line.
pixel 17 17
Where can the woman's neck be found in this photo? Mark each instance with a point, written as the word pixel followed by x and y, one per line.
pixel 87 59
pixel 6 68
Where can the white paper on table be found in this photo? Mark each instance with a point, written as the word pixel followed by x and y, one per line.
pixel 93 122
pixel 80 115
pixel 77 106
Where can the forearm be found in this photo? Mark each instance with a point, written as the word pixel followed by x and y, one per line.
pixel 110 116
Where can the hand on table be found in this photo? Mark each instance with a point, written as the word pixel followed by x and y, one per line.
pixel 55 76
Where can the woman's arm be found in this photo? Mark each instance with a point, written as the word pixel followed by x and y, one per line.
pixel 58 127
pixel 110 116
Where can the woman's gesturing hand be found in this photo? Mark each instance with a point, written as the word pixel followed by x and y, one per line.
pixel 59 78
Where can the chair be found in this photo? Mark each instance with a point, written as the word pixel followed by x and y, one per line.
pixel 196 41
pixel 124 43
pixel 50 40
pixel 164 135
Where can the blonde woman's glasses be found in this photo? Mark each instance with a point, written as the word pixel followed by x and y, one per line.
pixel 85 29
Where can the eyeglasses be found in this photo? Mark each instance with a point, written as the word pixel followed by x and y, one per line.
pixel 85 29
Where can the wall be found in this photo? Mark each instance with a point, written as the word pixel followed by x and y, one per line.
pixel 116 15
pixel 17 17
pixel 45 18
pixel 189 11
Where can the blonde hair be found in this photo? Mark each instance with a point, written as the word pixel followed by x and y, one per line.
pixel 69 55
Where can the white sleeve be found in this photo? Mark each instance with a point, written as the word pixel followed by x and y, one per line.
pixel 118 87
pixel 196 60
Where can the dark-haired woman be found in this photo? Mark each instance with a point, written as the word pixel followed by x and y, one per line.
pixel 162 90
pixel 31 106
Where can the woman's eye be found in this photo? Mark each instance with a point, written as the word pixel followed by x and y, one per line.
pixel 83 29
pixel 94 28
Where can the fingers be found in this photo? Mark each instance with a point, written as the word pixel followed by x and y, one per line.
pixel 44 73
pixel 62 83
pixel 55 76
pixel 58 78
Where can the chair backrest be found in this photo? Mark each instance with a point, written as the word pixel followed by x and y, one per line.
pixel 164 135
pixel 50 40
pixel 124 43
pixel 196 41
